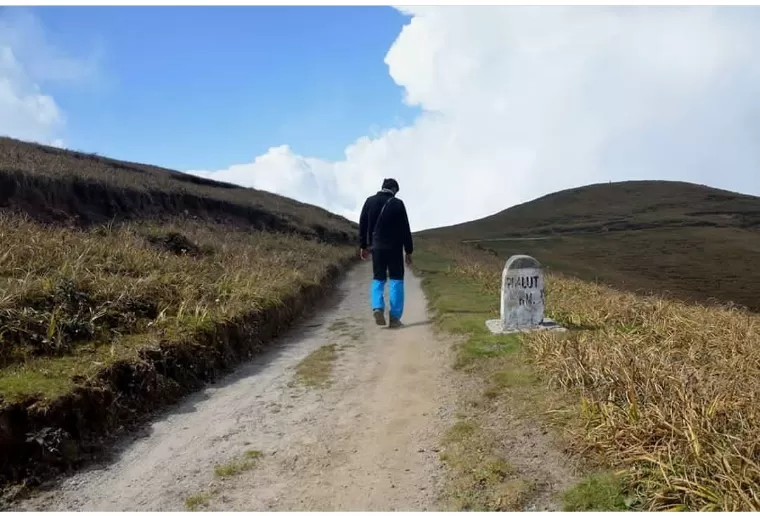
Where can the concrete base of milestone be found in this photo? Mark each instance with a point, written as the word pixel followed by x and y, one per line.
pixel 547 324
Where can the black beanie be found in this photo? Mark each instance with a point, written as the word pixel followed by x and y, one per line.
pixel 390 184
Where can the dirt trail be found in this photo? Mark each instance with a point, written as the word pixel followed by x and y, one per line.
pixel 368 441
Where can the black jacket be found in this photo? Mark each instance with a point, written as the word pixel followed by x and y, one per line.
pixel 392 231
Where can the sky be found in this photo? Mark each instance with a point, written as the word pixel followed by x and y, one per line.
pixel 471 109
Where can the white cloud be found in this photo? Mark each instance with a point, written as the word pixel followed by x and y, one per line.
pixel 28 62
pixel 25 112
pixel 522 101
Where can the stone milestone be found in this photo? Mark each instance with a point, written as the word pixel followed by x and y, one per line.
pixel 522 297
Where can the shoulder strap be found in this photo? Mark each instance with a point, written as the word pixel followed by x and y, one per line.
pixel 380 216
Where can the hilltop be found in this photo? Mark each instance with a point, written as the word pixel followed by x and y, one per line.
pixel 55 185
pixel 125 286
pixel 683 240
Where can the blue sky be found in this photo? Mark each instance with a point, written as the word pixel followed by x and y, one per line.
pixel 205 87
pixel 511 103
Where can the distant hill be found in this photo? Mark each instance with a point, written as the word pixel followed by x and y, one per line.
pixel 680 239
pixel 55 185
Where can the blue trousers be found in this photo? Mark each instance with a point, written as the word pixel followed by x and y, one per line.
pixel 388 265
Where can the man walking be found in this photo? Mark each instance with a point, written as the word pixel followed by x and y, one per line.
pixel 384 229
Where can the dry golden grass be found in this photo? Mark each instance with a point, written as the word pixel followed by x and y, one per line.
pixel 53 184
pixel 72 301
pixel 667 389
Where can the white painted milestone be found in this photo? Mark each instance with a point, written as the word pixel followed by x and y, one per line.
pixel 522 297
pixel 522 293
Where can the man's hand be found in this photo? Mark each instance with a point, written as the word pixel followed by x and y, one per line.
pixel 363 254
pixel 408 259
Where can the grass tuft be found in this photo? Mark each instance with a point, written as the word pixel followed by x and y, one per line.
pixel 198 501
pixel 316 369
pixel 600 492
pixel 239 465
pixel 347 328
pixel 481 480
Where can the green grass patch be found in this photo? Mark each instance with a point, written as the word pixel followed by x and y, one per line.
pixel 462 308
pixel 479 347
pixel 481 480
pixel 508 378
pixel 54 376
pixel 450 294
pixel 347 328
pixel 600 492
pixel 429 262
pixel 460 430
pixel 254 454
pixel 341 325
pixel 504 380
pixel 199 501
pixel 316 369
pixel 238 465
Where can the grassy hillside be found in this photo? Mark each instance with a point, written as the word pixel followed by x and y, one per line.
pixel 660 391
pixel 125 286
pixel 678 239
pixel 55 185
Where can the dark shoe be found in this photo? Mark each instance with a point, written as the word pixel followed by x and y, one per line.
pixel 395 323
pixel 379 317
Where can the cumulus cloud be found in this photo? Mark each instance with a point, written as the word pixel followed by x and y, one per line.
pixel 522 101
pixel 28 62
pixel 25 112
